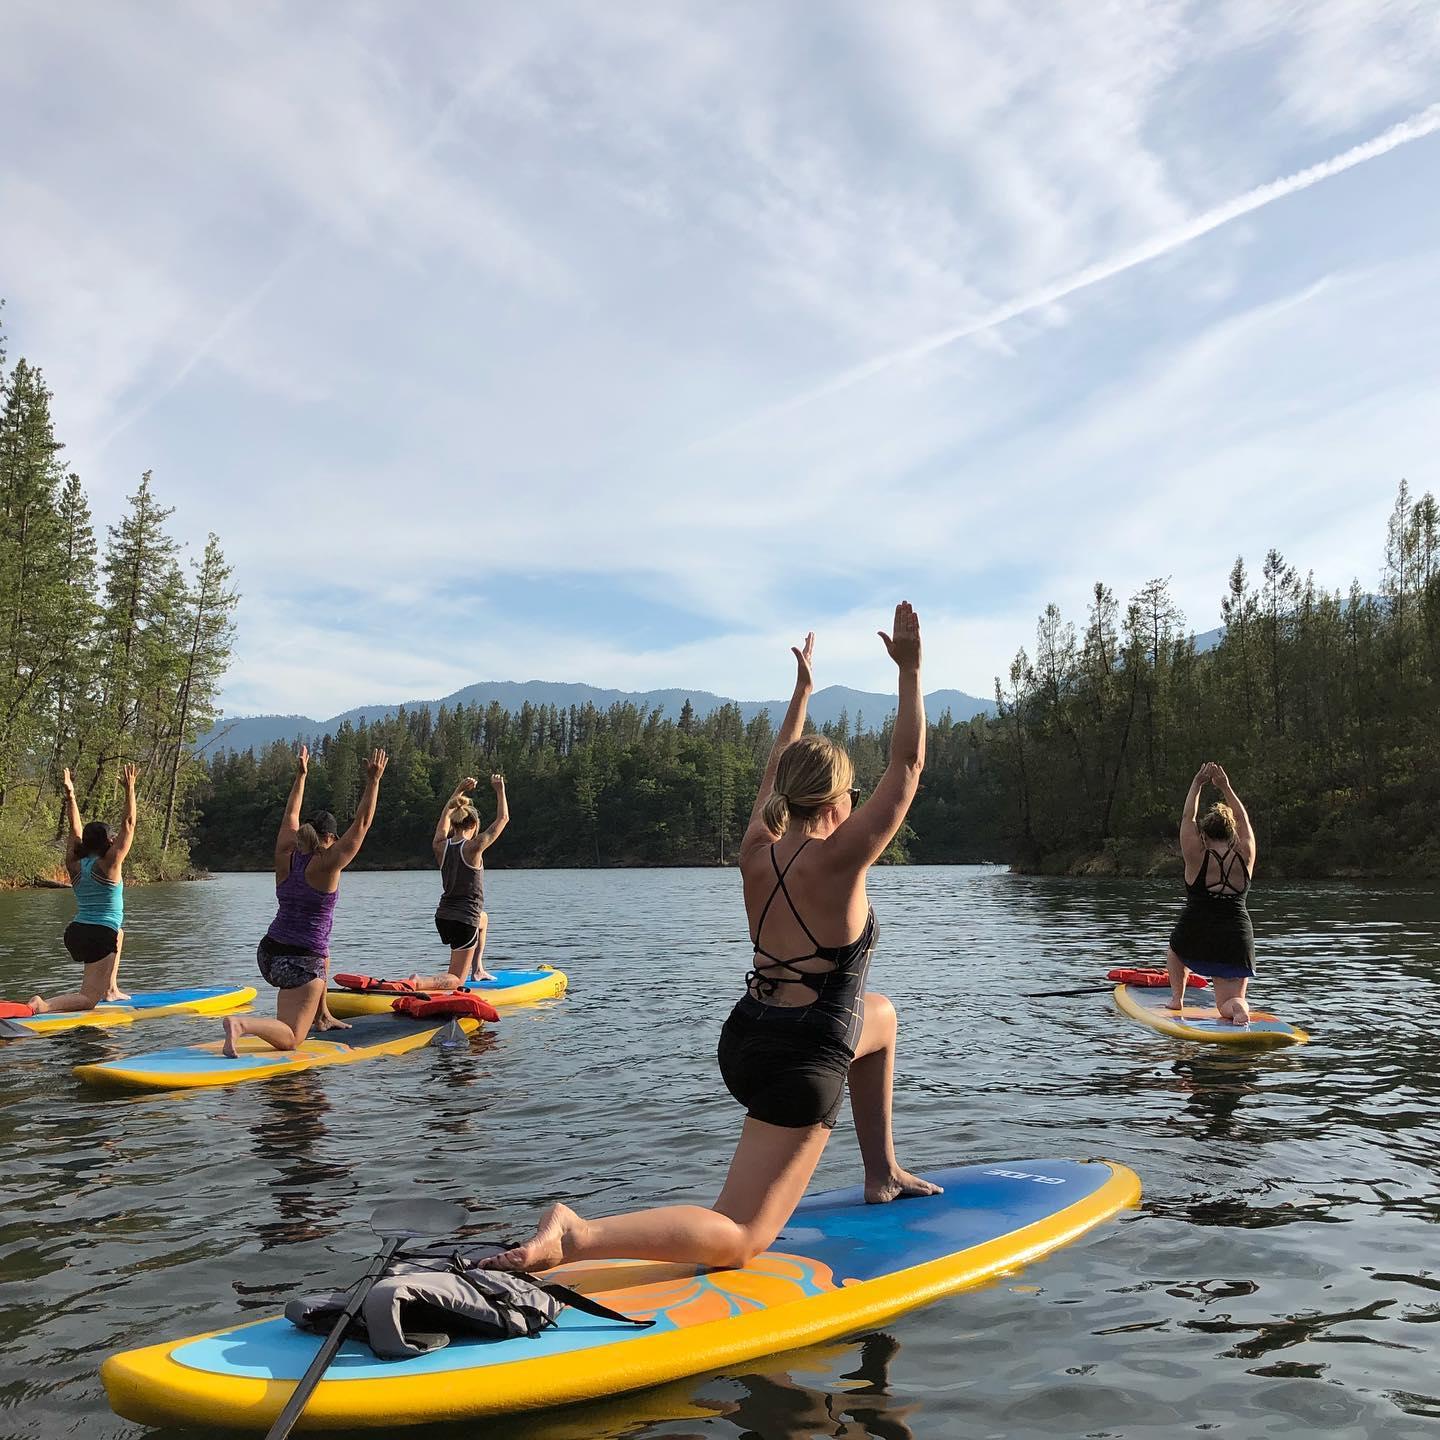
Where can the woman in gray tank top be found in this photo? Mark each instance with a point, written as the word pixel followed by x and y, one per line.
pixel 460 918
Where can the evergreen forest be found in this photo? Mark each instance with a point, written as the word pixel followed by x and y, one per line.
pixel 109 653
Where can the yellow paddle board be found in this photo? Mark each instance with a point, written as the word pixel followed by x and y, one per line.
pixel 190 1067
pixel 1202 1021
pixel 509 987
pixel 838 1267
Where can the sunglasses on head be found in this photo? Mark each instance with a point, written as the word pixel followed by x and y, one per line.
pixel 854 796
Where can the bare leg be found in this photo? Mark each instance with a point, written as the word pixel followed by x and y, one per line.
pixel 1230 1000
pixel 482 930
pixel 295 1012
pixel 94 987
pixel 1179 978
pixel 112 987
pixel 324 1020
pixel 771 1168
pixel 461 962
pixel 445 982
pixel 872 1080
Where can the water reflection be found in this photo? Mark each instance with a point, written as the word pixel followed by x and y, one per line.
pixel 762 1400
pixel 307 1190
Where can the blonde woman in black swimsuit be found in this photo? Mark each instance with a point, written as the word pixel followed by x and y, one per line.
pixel 1214 936
pixel 805 1024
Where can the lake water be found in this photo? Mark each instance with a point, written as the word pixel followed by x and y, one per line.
pixel 1282 1277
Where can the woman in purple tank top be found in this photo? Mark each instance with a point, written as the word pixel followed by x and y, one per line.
pixel 294 956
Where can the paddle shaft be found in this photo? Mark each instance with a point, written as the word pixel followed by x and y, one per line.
pixel 1055 994
pixel 299 1398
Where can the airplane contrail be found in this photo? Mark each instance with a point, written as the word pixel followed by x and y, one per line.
pixel 1417 127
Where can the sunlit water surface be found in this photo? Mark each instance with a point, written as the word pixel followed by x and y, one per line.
pixel 1281 1279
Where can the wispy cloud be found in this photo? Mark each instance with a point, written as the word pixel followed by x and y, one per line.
pixel 1417 127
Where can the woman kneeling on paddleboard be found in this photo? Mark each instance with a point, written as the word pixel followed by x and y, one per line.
pixel 805 1023
pixel 460 918
pixel 95 856
pixel 1214 936
pixel 294 956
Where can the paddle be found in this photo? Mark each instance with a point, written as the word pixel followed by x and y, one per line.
pixel 1055 994
pixel 398 1221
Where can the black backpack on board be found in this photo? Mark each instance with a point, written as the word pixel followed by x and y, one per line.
pixel 432 1294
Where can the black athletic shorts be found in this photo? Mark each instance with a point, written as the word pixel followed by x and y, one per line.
pixel 90 943
pixel 457 934
pixel 288 967
pixel 783 1073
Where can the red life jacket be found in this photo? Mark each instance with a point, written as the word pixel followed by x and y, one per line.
pixel 13 1010
pixel 1152 979
pixel 422 1007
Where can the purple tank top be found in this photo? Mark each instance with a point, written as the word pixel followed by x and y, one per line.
pixel 305 914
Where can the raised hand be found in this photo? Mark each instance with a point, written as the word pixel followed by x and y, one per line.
pixel 129 773
pixel 375 767
pixel 66 783
pixel 1203 774
pixel 497 783
pixel 804 674
pixel 303 762
pixel 1218 776
pixel 903 645
pixel 467 784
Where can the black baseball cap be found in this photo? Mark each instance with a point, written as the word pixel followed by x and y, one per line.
pixel 324 823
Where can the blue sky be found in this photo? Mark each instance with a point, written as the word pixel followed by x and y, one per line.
pixel 624 343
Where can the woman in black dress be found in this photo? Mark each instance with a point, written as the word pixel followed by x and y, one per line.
pixel 1214 936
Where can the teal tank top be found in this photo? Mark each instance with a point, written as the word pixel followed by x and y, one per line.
pixel 98 901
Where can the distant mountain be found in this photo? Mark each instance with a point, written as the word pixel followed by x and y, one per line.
pixel 255 732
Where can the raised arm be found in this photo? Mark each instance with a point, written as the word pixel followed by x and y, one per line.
pixel 125 836
pixel 791 729
pixel 1244 833
pixel 1192 843
pixel 446 823
pixel 347 847
pixel 290 821
pixel 491 833
pixel 72 816
pixel 861 839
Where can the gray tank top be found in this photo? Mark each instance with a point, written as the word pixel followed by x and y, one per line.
pixel 464 896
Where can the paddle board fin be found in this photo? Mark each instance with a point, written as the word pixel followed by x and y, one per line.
pixel 448 1036
pixel 9 1030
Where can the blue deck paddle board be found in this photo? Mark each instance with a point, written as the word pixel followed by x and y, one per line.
pixel 839 1266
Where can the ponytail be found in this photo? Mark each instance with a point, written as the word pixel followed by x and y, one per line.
pixel 776 813
pixel 307 839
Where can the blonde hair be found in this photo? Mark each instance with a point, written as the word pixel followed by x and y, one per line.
pixel 307 839
pixel 813 772
pixel 462 817
pixel 1219 822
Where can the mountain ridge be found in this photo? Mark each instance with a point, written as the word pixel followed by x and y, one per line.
pixel 255 732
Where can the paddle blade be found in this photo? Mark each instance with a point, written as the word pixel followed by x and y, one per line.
pixel 410 1219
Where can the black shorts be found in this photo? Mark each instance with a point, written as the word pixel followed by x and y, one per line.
pixel 783 1073
pixel 89 944
pixel 288 967
pixel 458 934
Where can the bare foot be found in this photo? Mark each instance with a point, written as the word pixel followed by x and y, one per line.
pixel 551 1244
pixel 1239 1015
pixel 898 1185
pixel 38 1005
pixel 326 1021
pixel 233 1032
pixel 483 975
pixel 1175 1004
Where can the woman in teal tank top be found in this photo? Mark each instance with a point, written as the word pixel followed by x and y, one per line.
pixel 94 856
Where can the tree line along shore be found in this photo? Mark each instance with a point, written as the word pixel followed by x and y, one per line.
pixel 1322 705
